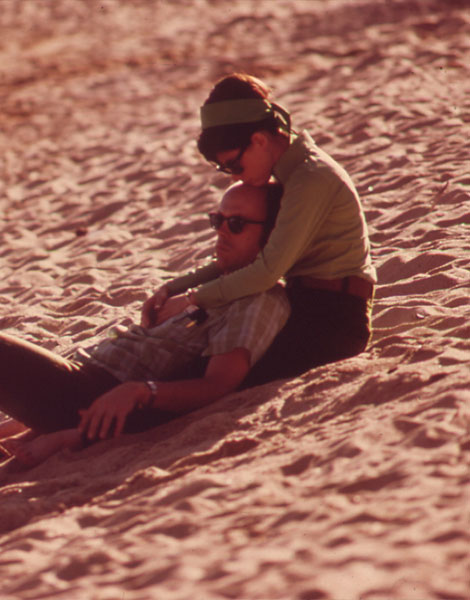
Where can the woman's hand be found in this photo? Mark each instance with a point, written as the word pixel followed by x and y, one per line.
pixel 173 306
pixel 152 306
pixel 112 408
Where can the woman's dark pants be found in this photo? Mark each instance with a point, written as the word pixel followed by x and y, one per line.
pixel 324 327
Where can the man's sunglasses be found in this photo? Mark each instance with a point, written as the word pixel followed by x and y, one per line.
pixel 234 165
pixel 235 223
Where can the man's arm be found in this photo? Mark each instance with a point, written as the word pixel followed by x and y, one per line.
pixel 224 374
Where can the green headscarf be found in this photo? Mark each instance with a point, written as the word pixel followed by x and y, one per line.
pixel 231 112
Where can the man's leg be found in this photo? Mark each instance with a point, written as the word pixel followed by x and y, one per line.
pixel 11 427
pixel 43 390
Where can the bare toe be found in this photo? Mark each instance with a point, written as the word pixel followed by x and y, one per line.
pixel 26 456
pixel 4 452
pixel 10 446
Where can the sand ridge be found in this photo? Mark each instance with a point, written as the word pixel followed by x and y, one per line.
pixel 349 482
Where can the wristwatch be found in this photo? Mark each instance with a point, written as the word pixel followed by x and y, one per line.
pixel 149 401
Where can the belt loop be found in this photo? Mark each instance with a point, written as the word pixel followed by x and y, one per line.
pixel 345 285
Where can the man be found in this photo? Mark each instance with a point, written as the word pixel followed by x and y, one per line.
pixel 127 382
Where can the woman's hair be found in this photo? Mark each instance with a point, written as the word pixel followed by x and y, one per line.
pixel 220 138
pixel 274 193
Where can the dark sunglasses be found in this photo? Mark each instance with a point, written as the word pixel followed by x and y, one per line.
pixel 234 165
pixel 235 223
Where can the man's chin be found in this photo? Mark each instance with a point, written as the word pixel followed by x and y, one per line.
pixel 226 266
pixel 221 264
pixel 258 181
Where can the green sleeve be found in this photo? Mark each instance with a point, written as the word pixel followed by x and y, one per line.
pixel 193 279
pixel 304 207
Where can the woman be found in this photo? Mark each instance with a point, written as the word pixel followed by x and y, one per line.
pixel 319 245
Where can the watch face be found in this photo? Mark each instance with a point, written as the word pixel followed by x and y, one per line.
pixel 153 387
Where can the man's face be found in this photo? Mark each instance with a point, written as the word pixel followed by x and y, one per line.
pixel 236 250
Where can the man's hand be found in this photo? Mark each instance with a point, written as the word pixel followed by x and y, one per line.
pixel 111 409
pixel 173 306
pixel 152 305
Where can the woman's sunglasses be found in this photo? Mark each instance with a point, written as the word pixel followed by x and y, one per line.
pixel 234 165
pixel 235 223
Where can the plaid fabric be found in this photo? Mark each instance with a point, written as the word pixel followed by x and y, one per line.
pixel 139 354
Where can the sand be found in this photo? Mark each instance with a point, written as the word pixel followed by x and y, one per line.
pixel 350 482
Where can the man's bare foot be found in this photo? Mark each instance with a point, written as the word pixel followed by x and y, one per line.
pixel 9 445
pixel 11 427
pixel 4 453
pixel 34 452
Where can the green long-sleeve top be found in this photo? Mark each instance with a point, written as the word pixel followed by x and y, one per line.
pixel 320 231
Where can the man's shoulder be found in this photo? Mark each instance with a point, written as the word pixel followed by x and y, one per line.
pixel 250 322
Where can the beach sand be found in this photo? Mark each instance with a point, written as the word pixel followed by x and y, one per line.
pixel 350 482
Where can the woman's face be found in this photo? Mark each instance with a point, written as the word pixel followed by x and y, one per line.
pixel 256 162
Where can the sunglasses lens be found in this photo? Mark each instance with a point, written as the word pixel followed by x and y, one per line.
pixel 216 220
pixel 230 168
pixel 234 166
pixel 236 224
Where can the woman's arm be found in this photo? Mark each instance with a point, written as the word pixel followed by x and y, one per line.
pixel 305 205
pixel 192 279
pixel 152 313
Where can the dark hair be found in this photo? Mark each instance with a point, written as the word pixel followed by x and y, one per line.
pixel 220 138
pixel 274 193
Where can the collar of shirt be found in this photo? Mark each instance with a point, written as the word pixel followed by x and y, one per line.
pixel 300 147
